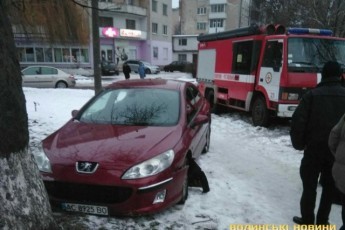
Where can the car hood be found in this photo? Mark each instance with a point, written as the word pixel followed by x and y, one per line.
pixel 110 145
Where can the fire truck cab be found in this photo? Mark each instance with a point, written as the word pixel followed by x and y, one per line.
pixel 264 70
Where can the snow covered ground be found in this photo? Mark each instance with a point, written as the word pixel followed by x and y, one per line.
pixel 253 172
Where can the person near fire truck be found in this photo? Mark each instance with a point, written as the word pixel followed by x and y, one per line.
pixel 317 113
pixel 336 144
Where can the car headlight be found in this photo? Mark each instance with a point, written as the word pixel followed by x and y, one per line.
pixel 42 160
pixel 150 167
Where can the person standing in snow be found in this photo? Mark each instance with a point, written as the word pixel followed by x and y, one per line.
pixel 317 113
pixel 336 144
pixel 126 70
pixel 141 71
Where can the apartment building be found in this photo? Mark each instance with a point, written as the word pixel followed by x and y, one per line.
pixel 211 16
pixel 128 29
pixel 203 17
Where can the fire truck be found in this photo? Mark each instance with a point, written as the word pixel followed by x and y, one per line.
pixel 264 70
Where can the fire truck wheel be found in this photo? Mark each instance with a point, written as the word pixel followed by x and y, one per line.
pixel 260 113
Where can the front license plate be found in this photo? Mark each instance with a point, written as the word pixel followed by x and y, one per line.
pixel 90 209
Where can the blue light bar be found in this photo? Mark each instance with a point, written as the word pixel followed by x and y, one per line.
pixel 310 31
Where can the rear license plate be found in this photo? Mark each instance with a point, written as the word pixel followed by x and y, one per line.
pixel 90 209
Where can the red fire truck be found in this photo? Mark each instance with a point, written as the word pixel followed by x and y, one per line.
pixel 264 70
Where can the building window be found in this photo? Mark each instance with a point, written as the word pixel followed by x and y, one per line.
pixel 201 26
pixel 154 28
pixel 215 23
pixel 155 52
pixel 130 2
pixel 165 9
pixel 39 54
pixel 182 57
pixel 154 5
pixel 165 29
pixel 217 8
pixel 106 22
pixel 130 24
pixel 45 55
pixel 201 10
pixel 48 55
pixel 182 42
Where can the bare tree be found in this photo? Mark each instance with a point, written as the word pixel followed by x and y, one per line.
pixel 327 14
pixel 24 202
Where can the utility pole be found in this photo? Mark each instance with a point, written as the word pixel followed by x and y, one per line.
pixel 96 47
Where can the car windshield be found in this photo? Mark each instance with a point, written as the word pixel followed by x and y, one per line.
pixel 139 107
pixel 310 54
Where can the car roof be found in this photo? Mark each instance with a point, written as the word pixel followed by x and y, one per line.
pixel 148 83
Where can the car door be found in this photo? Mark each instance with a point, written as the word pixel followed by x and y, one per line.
pixel 134 66
pixel 48 77
pixel 30 76
pixel 194 103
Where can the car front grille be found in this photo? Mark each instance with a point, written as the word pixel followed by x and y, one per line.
pixel 87 193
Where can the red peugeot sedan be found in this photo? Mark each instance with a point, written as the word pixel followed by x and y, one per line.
pixel 126 151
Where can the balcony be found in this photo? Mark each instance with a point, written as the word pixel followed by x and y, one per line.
pixel 123 8
pixel 217 15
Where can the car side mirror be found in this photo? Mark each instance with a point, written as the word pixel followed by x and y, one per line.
pixel 200 119
pixel 74 113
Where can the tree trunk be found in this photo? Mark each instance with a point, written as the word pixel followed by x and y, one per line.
pixel 23 199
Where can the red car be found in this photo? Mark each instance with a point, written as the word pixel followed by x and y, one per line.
pixel 126 152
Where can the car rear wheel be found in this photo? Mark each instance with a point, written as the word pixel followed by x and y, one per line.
pixel 61 84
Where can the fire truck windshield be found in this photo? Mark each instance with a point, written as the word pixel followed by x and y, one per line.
pixel 310 54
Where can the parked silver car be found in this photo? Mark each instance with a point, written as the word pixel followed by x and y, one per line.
pixel 149 68
pixel 46 77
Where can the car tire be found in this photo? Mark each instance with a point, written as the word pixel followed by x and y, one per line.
pixel 208 141
pixel 184 187
pixel 260 113
pixel 147 71
pixel 61 84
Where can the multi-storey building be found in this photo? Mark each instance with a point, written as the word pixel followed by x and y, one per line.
pixel 140 29
pixel 206 16
pixel 210 16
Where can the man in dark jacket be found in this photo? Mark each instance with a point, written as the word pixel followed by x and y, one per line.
pixel 318 111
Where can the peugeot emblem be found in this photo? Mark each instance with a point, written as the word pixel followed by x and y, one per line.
pixel 86 167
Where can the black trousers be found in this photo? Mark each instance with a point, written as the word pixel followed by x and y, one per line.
pixel 312 168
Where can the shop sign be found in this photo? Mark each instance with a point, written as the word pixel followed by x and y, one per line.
pixel 110 32
pixel 130 33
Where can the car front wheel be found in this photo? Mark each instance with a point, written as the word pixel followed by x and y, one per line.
pixel 184 188
pixel 147 71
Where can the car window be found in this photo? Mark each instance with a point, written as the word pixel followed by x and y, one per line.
pixel 140 107
pixel 32 71
pixel 48 70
